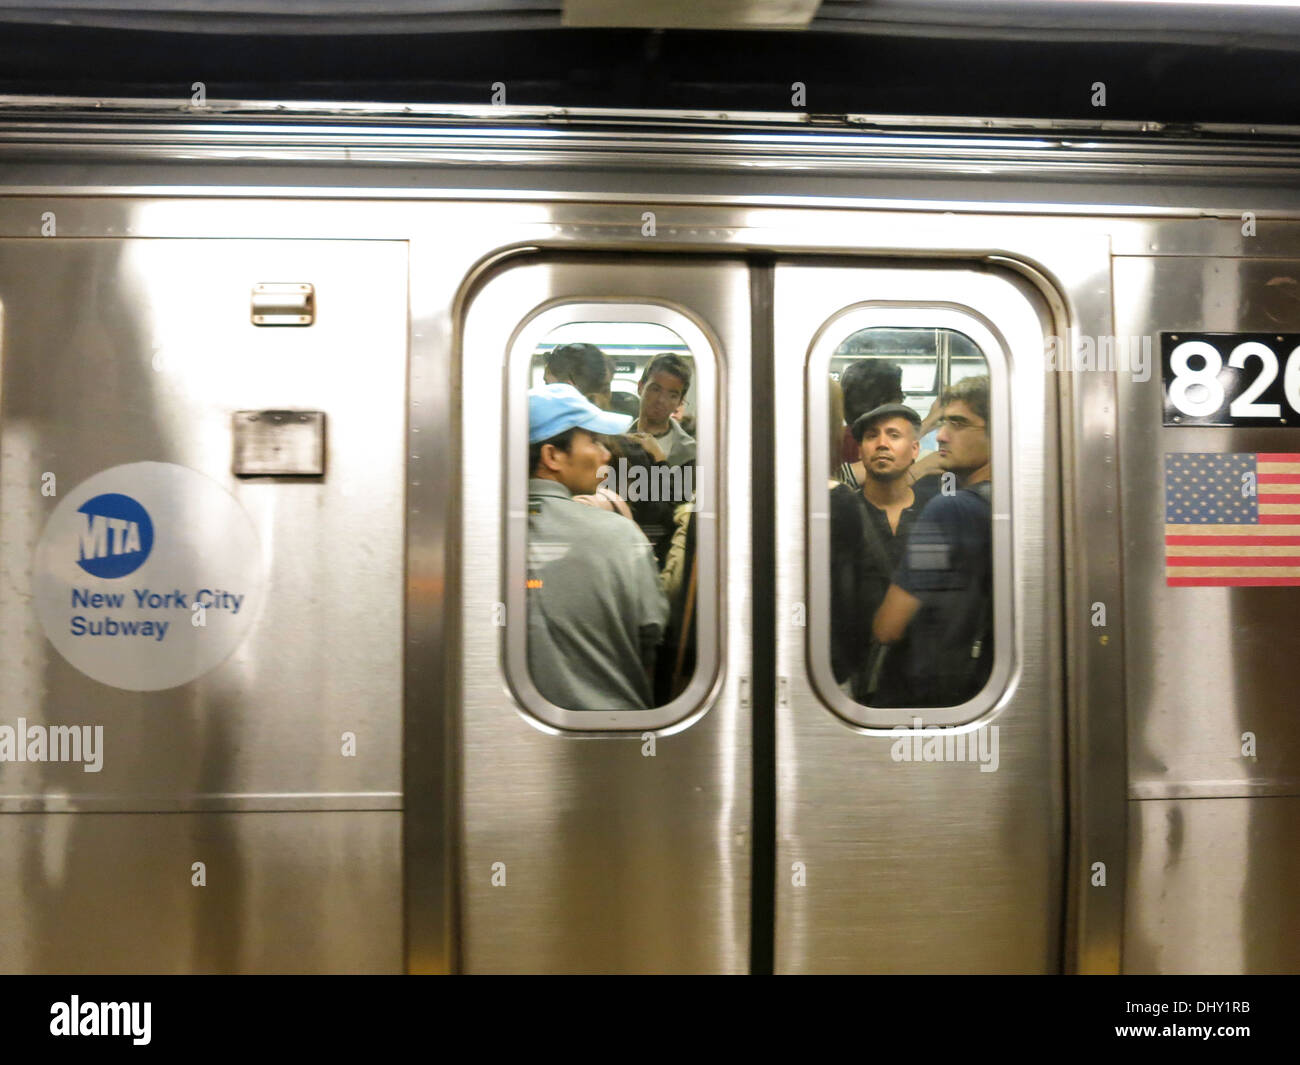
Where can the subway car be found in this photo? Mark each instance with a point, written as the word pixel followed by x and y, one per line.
pixel 265 553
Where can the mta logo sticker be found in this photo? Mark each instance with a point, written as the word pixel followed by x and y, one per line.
pixel 125 557
pixel 116 535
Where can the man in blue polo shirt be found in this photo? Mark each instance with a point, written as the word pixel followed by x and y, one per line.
pixel 595 610
pixel 941 597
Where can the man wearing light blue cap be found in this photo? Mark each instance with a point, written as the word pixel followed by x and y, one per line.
pixel 595 610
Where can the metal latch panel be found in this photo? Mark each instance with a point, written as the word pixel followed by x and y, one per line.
pixel 284 304
pixel 279 443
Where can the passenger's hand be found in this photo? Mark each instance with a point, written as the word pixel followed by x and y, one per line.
pixel 924 467
pixel 651 446
pixel 605 499
pixel 936 412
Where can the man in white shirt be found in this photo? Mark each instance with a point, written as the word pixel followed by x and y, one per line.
pixel 663 386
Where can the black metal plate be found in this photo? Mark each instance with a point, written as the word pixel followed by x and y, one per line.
pixel 1263 390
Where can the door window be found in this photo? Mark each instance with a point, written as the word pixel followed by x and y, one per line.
pixel 619 609
pixel 903 582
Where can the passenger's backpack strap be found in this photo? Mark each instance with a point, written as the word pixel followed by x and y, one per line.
pixel 878 652
pixel 875 548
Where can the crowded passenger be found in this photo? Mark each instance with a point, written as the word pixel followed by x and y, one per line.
pixel 685 419
pixel 647 487
pixel 941 596
pixel 870 527
pixel 663 385
pixel 600 636
pixel 625 403
pixel 596 612
pixel 585 367
pixel 850 625
pixel 866 385
pixel 680 582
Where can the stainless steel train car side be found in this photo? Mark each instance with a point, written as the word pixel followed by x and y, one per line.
pixel 365 783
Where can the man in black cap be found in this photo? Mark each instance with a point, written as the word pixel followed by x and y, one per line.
pixel 869 530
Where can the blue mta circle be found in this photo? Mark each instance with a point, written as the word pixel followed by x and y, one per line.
pixel 115 536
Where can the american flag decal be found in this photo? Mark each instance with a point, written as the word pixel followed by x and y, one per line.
pixel 1232 519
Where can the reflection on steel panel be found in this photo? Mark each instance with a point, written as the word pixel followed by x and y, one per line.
pixel 891 866
pixel 1214 741
pixel 579 853
pixel 1215 662
pixel 281 893
pixel 157 357
pixel 1212 886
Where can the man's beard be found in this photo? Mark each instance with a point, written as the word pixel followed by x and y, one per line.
pixel 892 474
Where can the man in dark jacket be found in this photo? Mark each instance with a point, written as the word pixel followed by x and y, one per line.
pixel 869 530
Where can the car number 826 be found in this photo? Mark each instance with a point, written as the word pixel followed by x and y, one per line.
pixel 1231 378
